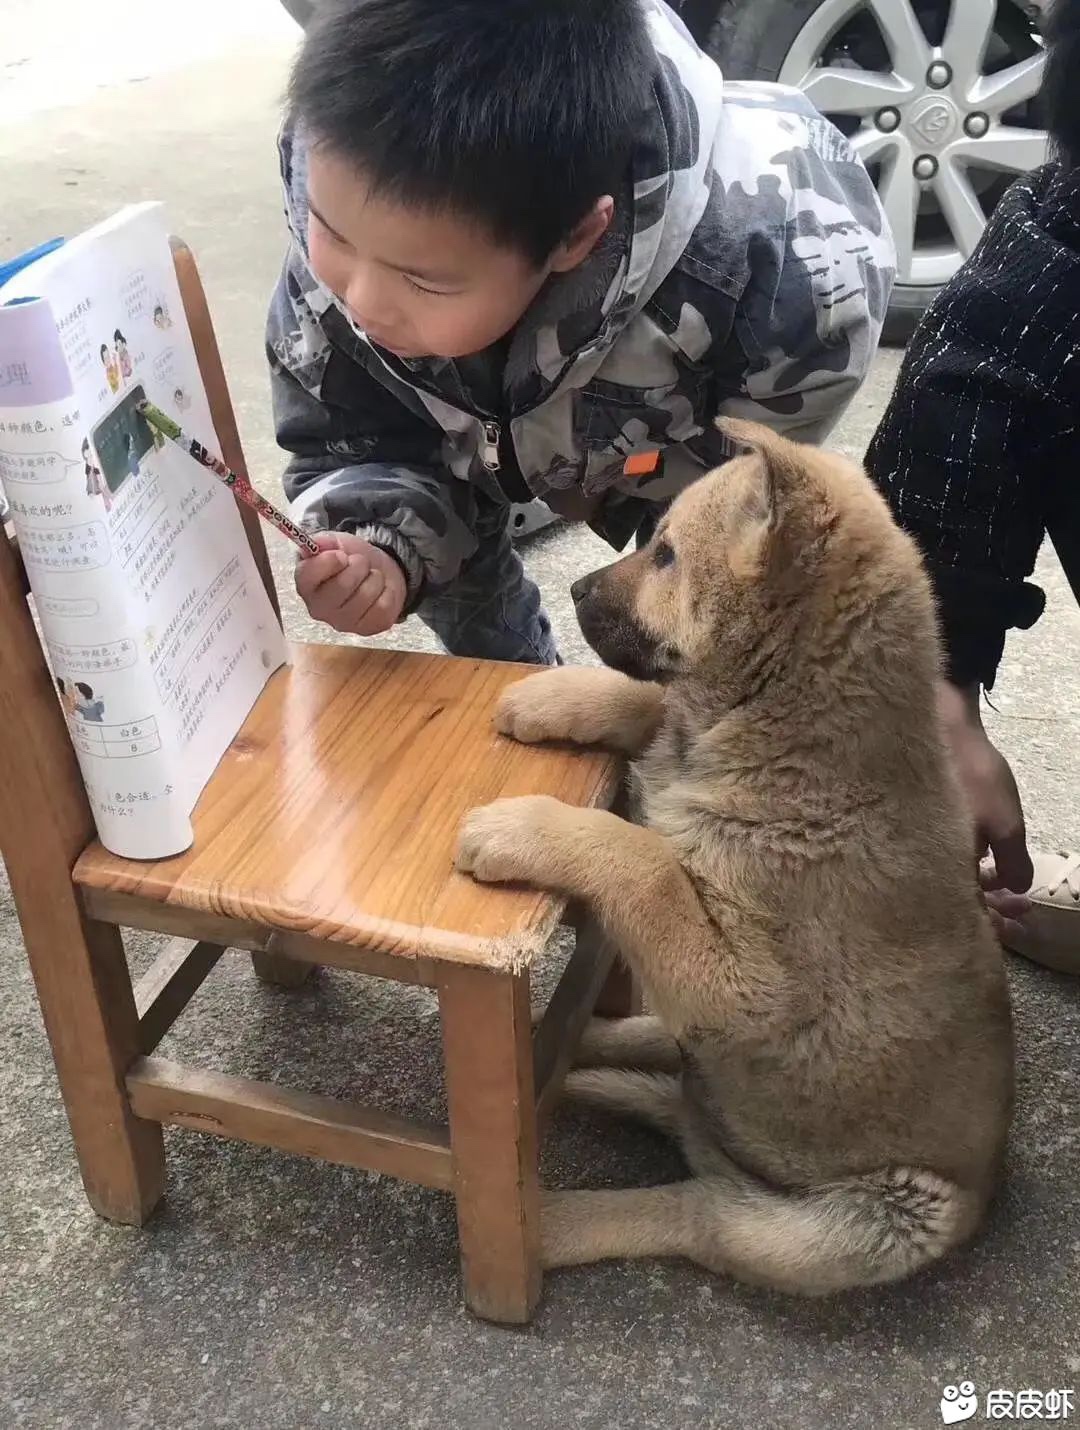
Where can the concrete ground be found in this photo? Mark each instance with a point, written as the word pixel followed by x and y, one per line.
pixel 274 1292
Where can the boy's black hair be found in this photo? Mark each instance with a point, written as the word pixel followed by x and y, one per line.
pixel 1059 97
pixel 516 113
pixel 84 690
pixel 118 337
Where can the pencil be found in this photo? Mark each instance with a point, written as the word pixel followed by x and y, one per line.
pixel 240 486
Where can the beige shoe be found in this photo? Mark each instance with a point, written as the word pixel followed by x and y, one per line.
pixel 1050 933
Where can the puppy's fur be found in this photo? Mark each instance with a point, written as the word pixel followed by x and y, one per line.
pixel 833 1047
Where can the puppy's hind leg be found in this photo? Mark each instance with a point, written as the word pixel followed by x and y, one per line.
pixel 653 1098
pixel 628 1043
pixel 579 1227
pixel 861 1231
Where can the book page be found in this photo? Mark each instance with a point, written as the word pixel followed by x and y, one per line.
pixel 159 629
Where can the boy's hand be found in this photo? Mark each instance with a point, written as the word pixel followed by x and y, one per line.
pixel 351 585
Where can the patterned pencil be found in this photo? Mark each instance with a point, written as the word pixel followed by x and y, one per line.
pixel 241 487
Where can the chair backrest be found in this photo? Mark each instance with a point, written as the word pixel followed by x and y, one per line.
pixel 197 312
pixel 45 818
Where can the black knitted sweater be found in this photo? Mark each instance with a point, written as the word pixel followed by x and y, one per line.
pixel 979 451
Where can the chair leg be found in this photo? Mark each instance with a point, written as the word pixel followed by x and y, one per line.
pixel 489 1082
pixel 620 996
pixel 86 998
pixel 280 970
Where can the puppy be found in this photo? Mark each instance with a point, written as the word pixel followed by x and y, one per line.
pixel 833 1044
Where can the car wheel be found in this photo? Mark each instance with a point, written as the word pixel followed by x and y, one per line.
pixel 937 96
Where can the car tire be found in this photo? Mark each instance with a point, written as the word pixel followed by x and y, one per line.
pixel 752 40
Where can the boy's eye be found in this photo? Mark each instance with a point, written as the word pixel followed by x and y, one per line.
pixel 328 232
pixel 431 292
pixel 663 555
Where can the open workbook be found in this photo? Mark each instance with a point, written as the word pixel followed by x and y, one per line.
pixel 159 630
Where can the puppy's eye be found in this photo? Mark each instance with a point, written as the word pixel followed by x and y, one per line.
pixel 663 555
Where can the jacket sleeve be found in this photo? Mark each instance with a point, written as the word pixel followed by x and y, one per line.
pixel 820 271
pixel 796 381
pixel 363 459
pixel 966 455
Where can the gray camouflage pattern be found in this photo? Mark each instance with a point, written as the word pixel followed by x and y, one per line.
pixel 747 274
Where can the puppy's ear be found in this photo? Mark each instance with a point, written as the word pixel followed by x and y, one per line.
pixel 781 456
pixel 760 510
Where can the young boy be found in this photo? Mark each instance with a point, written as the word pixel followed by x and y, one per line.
pixel 530 240
pixel 978 456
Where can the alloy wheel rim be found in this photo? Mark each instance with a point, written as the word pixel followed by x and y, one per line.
pixel 930 124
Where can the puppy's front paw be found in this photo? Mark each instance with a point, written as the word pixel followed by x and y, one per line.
pixel 501 843
pixel 538 708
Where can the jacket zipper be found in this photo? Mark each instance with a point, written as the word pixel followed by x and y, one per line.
pixel 489 452
pixel 511 482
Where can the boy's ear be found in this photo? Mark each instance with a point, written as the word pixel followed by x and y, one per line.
pixel 586 235
pixel 759 511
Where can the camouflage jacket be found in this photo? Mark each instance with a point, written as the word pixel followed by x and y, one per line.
pixel 747 273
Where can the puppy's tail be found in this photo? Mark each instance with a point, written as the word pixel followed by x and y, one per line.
pixel 860 1231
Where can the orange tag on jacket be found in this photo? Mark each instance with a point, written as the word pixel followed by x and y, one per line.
pixel 642 464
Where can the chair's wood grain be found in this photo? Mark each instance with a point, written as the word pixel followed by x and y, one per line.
pixel 78 964
pixel 131 911
pixel 304 1123
pixel 335 812
pixel 166 988
pixel 570 1007
pixel 487 1046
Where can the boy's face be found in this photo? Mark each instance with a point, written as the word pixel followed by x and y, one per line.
pixel 421 283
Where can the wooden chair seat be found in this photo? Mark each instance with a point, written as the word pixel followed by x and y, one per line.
pixel 333 818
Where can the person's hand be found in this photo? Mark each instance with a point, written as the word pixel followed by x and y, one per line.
pixel 1005 908
pixel 993 799
pixel 353 586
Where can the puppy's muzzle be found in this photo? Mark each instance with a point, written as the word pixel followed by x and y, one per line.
pixel 582 588
pixel 609 625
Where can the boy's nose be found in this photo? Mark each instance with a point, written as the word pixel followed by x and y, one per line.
pixel 368 305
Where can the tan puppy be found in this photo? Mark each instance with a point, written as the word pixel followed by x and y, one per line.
pixel 798 898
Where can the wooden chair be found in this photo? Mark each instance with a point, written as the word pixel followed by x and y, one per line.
pixel 325 836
